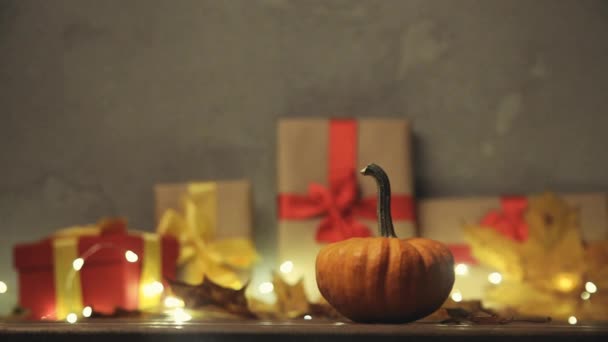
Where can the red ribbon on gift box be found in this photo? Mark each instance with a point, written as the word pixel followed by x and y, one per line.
pixel 509 220
pixel 339 204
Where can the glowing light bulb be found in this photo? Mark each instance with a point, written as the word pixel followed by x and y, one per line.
pixel 71 318
pixel 3 287
pixel 131 256
pixel 153 289
pixel 495 278
pixel 77 264
pixel 266 287
pixel 461 269
pixel 565 283
pixel 179 315
pixel 456 296
pixel 307 317
pixel 590 287
pixel 286 267
pixel 585 295
pixel 572 320
pixel 173 302
pixel 87 311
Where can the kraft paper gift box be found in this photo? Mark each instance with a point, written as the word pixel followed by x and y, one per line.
pixel 443 219
pixel 213 222
pixel 322 197
pixel 120 269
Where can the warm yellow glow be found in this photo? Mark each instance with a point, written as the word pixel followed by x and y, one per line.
pixel 131 256
pixel 266 287
pixel 286 267
pixel 461 269
pixel 307 317
pixel 456 296
pixel 585 295
pixel 87 311
pixel 78 263
pixel 71 318
pixel 590 287
pixel 565 283
pixel 495 278
pixel 179 315
pixel 173 302
pixel 572 320
pixel 3 287
pixel 153 289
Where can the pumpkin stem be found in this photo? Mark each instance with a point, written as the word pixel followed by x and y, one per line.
pixel 384 199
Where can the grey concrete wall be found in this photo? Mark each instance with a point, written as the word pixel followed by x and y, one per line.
pixel 99 100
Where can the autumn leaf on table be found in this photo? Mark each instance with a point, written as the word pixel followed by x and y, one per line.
pixel 554 245
pixel 551 256
pixel 549 220
pixel 291 302
pixel 452 312
pixel 469 305
pixel 474 312
pixel 263 309
pixel 547 273
pixel 529 299
pixel 210 294
pixel 214 300
pixel 291 299
pixel 495 250
pixel 554 251
pixel 216 272
pixel 464 312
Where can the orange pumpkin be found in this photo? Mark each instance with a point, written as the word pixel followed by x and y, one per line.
pixel 385 279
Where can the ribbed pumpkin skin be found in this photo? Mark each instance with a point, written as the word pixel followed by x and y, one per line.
pixel 385 280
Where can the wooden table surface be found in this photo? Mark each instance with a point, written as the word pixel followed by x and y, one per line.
pixel 134 330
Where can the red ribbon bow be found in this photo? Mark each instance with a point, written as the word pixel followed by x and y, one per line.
pixel 509 219
pixel 336 206
pixel 339 204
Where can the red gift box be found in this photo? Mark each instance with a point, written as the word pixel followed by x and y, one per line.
pixel 114 264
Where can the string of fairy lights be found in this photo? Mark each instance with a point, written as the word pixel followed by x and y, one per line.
pixel 495 278
pixel 174 306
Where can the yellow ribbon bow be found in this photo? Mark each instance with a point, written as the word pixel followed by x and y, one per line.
pixel 200 254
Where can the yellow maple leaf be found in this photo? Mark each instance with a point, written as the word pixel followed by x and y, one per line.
pixel 291 299
pixel 495 250
pixel 553 255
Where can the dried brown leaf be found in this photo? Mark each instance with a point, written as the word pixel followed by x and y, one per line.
pixel 209 293
pixel 292 301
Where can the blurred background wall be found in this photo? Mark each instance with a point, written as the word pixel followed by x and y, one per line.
pixel 99 100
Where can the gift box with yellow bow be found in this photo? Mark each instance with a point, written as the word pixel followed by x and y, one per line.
pixel 212 222
pixel 102 266
pixel 322 197
pixel 542 244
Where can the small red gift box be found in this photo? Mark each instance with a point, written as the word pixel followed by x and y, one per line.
pixel 104 268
